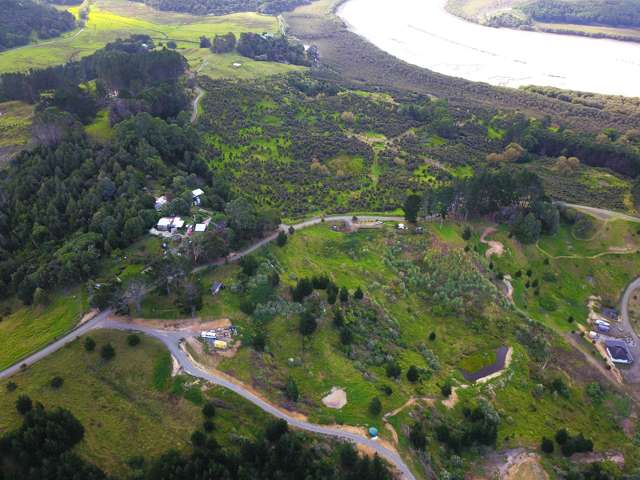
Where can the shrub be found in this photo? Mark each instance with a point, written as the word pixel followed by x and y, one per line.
pixel 466 233
pixel 417 436
pixel 275 430
pixel 259 341
pixel 346 336
pixel 56 382
pixel 208 426
pixel 133 340
pixel 281 240
pixel 432 336
pixel 562 436
pixel 348 455
pixel 198 439
pixel 247 306
pixel 596 392
pixel 446 390
pixel 344 295
pixel 291 230
pixel 24 404
pixel 338 319
pixel 89 344
pixel 291 390
pixel 11 387
pixel 358 294
pixel 249 265
pixel 107 352
pixel 413 374
pixel 209 410
pixel 547 445
pixel 558 386
pixel 375 406
pixel 393 370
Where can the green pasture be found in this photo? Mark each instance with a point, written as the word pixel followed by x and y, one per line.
pixel 130 406
pixel 112 19
pixel 26 329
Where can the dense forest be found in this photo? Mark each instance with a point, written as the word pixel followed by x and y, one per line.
pixel 69 201
pixel 615 13
pixel 224 7
pixel 42 448
pixel 21 20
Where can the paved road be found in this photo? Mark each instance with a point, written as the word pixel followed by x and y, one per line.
pixel 172 340
pixel 631 374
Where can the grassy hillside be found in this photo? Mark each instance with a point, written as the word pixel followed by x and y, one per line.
pixel 112 19
pixel 405 318
pixel 130 406
pixel 24 330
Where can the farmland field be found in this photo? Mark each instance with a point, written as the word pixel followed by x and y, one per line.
pixel 112 19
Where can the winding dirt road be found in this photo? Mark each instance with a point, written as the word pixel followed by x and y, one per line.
pixel 173 340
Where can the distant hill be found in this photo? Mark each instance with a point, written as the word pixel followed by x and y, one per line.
pixel 21 20
pixel 224 7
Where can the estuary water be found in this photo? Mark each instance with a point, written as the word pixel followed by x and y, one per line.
pixel 423 33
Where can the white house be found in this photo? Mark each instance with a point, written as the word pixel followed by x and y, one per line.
pixel 164 224
pixel 169 224
pixel 201 227
pixel 196 194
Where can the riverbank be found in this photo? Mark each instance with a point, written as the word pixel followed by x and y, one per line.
pixel 425 34
pixel 349 58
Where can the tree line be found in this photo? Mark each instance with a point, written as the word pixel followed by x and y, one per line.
pixel 615 13
pixel 224 7
pixel 262 46
pixel 43 447
pixel 20 19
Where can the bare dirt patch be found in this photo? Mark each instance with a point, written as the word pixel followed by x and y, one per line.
pixel 336 399
pixel 453 398
pixel 495 247
pixel 88 316
pixel 513 464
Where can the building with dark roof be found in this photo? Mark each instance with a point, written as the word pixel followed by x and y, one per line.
pixel 618 352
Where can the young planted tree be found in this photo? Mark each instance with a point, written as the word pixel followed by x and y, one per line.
pixel 107 352
pixel 375 406
pixel 344 295
pixel 281 240
pixel 412 207
pixel 89 344
pixel 24 404
pixel 291 390
pixel 413 374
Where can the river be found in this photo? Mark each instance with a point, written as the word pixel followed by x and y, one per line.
pixel 423 33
